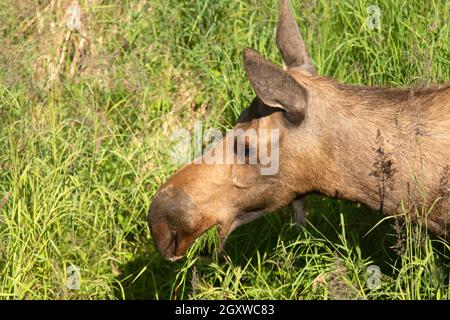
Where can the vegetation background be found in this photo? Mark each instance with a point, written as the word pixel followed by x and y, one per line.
pixel 86 119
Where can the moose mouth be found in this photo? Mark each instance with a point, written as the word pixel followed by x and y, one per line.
pixel 172 244
pixel 165 240
pixel 171 249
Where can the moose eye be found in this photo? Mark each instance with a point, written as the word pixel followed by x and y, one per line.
pixel 247 151
pixel 243 150
pixel 248 154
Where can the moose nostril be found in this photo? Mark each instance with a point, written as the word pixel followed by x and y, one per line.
pixel 170 212
pixel 164 239
pixel 172 245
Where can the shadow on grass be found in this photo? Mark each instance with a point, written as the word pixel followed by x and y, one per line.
pixel 159 276
pixel 148 276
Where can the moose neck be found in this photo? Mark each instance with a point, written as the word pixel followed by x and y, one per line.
pixel 370 142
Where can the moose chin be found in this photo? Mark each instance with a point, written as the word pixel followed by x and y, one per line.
pixel 383 147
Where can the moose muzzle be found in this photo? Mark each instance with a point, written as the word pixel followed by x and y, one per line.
pixel 174 222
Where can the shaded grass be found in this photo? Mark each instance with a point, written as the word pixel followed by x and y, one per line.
pixel 82 160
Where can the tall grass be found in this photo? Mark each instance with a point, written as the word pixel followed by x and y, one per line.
pixel 81 158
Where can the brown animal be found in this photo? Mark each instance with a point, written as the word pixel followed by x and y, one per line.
pixel 386 148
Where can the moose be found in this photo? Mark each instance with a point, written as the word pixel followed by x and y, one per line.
pixel 387 148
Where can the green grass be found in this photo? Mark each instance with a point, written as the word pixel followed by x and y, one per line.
pixel 82 158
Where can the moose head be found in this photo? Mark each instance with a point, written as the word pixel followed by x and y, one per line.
pixel 329 139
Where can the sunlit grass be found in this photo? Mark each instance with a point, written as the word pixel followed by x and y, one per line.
pixel 82 159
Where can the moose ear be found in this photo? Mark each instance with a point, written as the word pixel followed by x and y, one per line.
pixel 290 41
pixel 274 86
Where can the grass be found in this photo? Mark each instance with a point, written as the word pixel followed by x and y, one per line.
pixel 83 155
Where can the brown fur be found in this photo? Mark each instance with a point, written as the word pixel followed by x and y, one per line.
pixel 386 148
